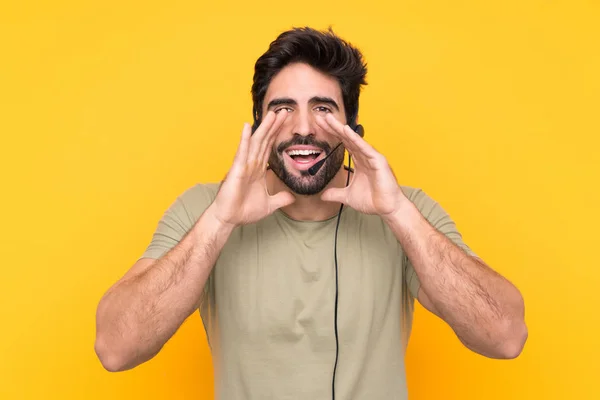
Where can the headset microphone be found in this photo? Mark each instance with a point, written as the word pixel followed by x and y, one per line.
pixel 315 168
pixel 361 132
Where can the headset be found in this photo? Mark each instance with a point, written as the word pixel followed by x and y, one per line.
pixel 313 171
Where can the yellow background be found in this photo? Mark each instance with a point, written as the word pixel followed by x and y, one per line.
pixel 111 109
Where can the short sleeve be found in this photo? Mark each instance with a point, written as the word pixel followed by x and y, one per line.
pixel 440 220
pixel 179 218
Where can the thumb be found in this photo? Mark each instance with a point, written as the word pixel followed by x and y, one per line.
pixel 281 199
pixel 335 195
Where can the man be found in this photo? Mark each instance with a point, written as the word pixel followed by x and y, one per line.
pixel 305 278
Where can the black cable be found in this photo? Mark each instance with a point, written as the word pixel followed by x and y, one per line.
pixel 335 310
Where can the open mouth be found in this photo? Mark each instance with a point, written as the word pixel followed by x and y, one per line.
pixel 302 159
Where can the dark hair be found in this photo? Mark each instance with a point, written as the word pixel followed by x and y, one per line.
pixel 322 50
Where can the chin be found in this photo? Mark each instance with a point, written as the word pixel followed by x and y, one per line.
pixel 294 173
pixel 301 182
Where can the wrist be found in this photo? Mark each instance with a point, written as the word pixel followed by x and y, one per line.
pixel 211 222
pixel 405 213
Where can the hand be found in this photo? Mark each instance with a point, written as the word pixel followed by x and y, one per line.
pixel 373 188
pixel 243 197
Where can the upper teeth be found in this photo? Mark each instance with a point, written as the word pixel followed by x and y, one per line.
pixel 303 152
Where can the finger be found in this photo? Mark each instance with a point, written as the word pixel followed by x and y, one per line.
pixel 363 152
pixel 335 195
pixel 356 139
pixel 281 199
pixel 355 150
pixel 337 131
pixel 269 139
pixel 241 154
pixel 258 136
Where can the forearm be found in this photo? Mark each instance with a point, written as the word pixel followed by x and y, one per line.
pixel 483 308
pixel 138 315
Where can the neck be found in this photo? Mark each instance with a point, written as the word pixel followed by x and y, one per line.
pixel 309 208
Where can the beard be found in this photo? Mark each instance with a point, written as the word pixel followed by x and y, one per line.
pixel 306 184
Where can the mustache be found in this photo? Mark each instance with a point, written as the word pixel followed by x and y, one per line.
pixel 303 140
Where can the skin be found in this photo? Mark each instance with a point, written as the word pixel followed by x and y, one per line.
pixel 143 309
pixel 483 308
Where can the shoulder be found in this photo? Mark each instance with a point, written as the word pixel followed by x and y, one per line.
pixel 200 193
pixel 193 201
pixel 427 205
pixel 436 215
pixel 417 196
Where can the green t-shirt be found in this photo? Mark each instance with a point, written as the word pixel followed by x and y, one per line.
pixel 268 306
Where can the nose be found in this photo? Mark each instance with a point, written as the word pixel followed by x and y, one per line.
pixel 304 124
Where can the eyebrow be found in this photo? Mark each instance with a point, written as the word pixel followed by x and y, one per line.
pixel 281 101
pixel 325 100
pixel 291 102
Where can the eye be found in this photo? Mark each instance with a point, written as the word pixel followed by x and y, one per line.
pixel 323 109
pixel 288 109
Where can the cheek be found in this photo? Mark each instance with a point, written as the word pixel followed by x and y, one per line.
pixel 284 136
pixel 280 141
pixel 287 126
